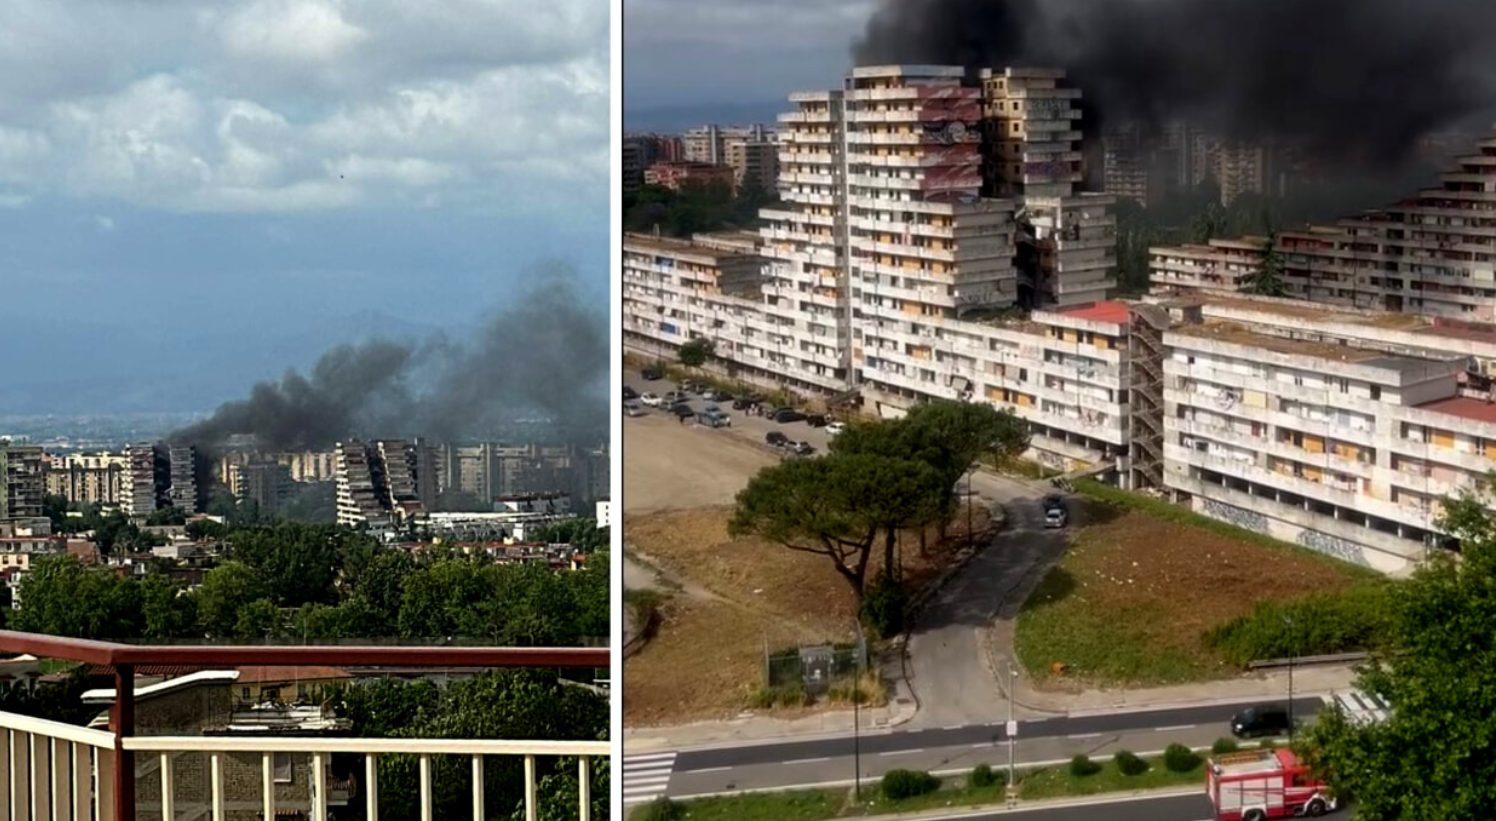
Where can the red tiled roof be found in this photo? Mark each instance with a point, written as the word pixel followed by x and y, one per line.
pixel 255 674
pixel 166 670
pixel 1111 311
pixel 1463 407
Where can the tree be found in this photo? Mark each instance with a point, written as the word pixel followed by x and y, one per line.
pixel 1268 281
pixel 1434 757
pixel 60 596
pixel 582 534
pixel 226 590
pixel 55 507
pixel 694 353
pixel 257 621
pixel 168 611
pixel 836 506
pixel 300 562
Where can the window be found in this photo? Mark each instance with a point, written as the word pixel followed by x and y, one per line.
pixel 284 769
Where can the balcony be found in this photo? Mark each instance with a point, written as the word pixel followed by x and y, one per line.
pixel 63 771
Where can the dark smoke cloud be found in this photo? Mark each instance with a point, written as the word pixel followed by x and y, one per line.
pixel 545 355
pixel 1356 81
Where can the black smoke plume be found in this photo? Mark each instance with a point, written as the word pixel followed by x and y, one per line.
pixel 545 356
pixel 1353 82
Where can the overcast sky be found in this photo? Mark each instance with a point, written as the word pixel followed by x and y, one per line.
pixel 717 52
pixel 211 191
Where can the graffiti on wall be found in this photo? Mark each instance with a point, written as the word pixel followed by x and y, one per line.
pixel 1241 517
pixel 1332 546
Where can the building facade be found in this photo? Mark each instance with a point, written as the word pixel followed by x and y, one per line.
pixel 1222 265
pixel 87 478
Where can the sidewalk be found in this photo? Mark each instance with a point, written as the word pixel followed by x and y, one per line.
pixel 755 729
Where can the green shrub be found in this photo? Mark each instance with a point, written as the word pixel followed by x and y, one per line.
pixel 789 695
pixel 984 776
pixel 1082 766
pixel 1223 746
pixel 1180 759
pixel 1129 764
pixel 883 607
pixel 1267 744
pixel 660 809
pixel 1331 622
pixel 899 784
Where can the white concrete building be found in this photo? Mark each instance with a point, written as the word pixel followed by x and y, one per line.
pixel 1220 266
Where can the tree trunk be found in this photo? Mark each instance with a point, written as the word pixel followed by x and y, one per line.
pixel 891 570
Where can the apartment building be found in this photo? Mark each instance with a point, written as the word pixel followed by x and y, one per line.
pixel 1067 253
pixel 23 470
pixel 754 164
pixel 677 175
pixel 264 484
pixel 181 492
pixel 1222 265
pixel 87 478
pixel 1432 253
pixel 359 495
pixel 138 491
pixel 633 166
pixel 712 144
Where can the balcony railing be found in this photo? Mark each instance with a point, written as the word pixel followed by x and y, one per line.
pixel 69 773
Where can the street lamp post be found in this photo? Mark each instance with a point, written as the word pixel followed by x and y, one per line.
pixel 856 720
pixel 1011 731
pixel 969 472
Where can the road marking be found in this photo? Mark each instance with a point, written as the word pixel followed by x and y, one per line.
pixel 645 777
pixel 1085 735
pixel 1175 727
pixel 709 770
pixel 984 745
pixel 807 760
pixel 904 752
pixel 954 727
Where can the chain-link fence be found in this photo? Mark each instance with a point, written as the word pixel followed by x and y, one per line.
pixel 814 667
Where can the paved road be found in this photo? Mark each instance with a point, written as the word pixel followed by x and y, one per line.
pixel 1171 808
pixel 945 665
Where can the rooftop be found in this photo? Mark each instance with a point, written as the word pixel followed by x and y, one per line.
pixel 1477 410
pixel 1237 334
pixel 1113 311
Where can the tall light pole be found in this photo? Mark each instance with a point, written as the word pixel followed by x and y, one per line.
pixel 1011 732
pixel 970 470
pixel 856 719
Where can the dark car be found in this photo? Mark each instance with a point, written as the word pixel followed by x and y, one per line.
pixel 743 403
pixel 816 420
pixel 682 409
pixel 1263 720
pixel 803 448
pixel 651 374
pixel 776 439
pixel 783 415
pixel 629 393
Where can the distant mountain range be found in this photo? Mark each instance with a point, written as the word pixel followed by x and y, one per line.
pixel 677 118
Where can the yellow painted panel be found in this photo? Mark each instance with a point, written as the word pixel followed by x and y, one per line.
pixel 1442 438
pixel 1025 400
pixel 920 352
pixel 1491 448
pixel 1313 474
pixel 1314 444
pixel 1254 399
pixel 1347 450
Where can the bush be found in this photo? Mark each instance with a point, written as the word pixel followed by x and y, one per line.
pixel 660 809
pixel 883 607
pixel 1267 744
pixel 1082 766
pixel 1223 746
pixel 789 695
pixel 984 776
pixel 1332 622
pixel 1180 759
pixel 899 784
pixel 1129 764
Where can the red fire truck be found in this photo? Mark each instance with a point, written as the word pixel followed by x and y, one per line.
pixel 1255 785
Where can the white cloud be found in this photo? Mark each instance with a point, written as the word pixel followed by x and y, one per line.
pixel 103 223
pixel 291 30
pixel 12 200
pixel 287 105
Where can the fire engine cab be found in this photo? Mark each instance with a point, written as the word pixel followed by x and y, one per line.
pixel 1255 785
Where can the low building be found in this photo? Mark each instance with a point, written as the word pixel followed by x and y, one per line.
pixel 677 175
pixel 1222 266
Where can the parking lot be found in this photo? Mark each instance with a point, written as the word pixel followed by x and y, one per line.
pixel 744 426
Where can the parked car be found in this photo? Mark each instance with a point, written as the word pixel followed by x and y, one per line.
pixel 651 399
pixel 783 415
pixel 834 428
pixel 676 396
pixel 816 420
pixel 682 410
pixel 651 374
pixel 744 402
pixel 1055 512
pixel 714 418
pixel 714 395
pixel 803 448
pixel 629 393
pixel 1262 720
pixel 775 439
pixel 633 408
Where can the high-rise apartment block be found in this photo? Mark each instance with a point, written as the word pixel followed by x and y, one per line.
pixel 87 478
pixel 264 485
pixel 381 485
pixel 139 489
pixel 23 471
pixel 754 164
pixel 1222 265
pixel 712 144
pixel 181 490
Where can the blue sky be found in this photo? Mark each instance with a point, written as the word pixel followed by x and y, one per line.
pixel 195 195
pixel 711 54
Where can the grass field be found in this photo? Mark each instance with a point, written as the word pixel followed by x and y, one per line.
pixel 1132 599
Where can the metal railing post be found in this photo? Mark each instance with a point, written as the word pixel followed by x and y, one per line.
pixel 478 811
pixel 122 724
pixel 371 788
pixel 584 787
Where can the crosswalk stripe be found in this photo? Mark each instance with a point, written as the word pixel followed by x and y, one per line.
pixel 646 777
